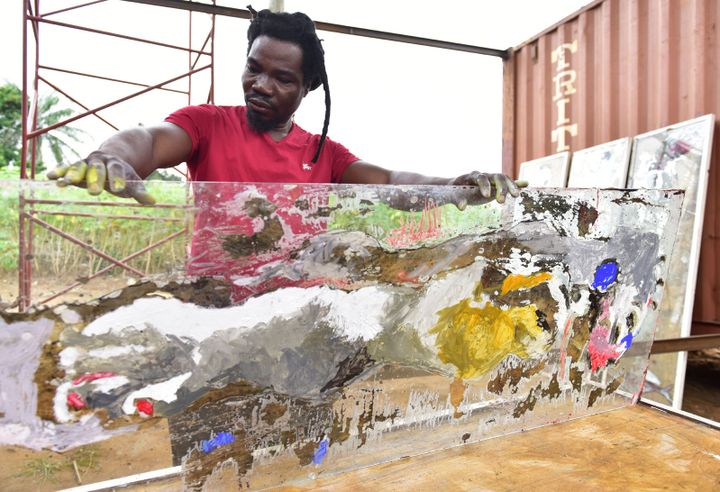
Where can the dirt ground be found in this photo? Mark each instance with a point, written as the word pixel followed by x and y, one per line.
pixel 43 288
pixel 136 452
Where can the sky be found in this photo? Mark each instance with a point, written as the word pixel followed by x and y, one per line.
pixel 400 106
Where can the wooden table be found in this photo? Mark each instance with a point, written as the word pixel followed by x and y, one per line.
pixel 635 448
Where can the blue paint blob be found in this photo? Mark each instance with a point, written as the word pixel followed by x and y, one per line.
pixel 605 275
pixel 627 340
pixel 320 452
pixel 221 439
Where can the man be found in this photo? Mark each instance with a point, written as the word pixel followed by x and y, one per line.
pixel 258 142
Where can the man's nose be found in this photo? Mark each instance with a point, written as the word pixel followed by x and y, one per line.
pixel 261 84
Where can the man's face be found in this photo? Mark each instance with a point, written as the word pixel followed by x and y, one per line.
pixel 273 82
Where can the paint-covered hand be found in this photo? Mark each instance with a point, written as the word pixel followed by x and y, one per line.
pixel 101 171
pixel 496 186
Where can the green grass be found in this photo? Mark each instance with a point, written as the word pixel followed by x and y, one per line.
pixel 41 469
pixel 115 236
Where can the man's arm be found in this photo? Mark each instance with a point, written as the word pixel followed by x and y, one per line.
pixel 499 185
pixel 126 158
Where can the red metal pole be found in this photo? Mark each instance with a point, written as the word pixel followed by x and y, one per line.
pixel 112 103
pixel 23 298
pixel 110 267
pixel 23 155
pixel 211 97
pixel 84 245
pixel 109 33
pixel 189 91
pixel 36 96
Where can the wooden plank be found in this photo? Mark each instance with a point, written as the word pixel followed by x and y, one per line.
pixel 698 342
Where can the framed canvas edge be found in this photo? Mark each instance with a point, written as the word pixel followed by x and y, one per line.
pixel 703 178
pixel 626 160
pixel 565 170
pixel 694 261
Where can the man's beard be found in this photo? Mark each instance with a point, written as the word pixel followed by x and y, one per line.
pixel 258 123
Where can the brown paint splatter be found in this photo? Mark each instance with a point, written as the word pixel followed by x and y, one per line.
pixel 48 370
pixel 594 395
pixel 365 420
pixel 340 430
pixel 240 245
pixel 305 452
pixel 259 207
pixel 527 404
pixel 513 376
pixel 457 395
pixel 236 389
pixel 576 377
pixel 273 411
pixel 615 384
pixel 553 388
pixel 587 216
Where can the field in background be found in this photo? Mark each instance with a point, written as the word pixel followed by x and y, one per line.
pixel 118 231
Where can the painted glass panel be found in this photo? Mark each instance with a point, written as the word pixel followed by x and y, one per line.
pixel 311 329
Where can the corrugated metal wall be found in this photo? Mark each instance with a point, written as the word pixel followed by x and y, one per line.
pixel 620 68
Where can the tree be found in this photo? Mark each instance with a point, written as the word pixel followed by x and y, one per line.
pixel 10 124
pixel 59 140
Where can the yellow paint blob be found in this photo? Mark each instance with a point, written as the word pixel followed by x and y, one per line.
pixel 517 282
pixel 476 339
pixel 118 183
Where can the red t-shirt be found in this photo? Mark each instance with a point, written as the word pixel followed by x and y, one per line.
pixel 225 148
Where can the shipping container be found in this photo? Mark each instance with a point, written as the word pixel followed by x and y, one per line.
pixel 619 68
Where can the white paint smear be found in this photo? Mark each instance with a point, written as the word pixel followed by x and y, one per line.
pixel 165 391
pixel 356 314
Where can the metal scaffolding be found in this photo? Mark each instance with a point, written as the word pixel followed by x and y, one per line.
pixel 199 59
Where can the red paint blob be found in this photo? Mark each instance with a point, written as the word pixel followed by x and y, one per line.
pixel 92 377
pixel 145 408
pixel 600 349
pixel 75 401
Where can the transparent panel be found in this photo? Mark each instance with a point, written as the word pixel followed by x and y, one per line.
pixel 311 329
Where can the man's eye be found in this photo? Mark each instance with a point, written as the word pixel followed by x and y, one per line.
pixel 285 80
pixel 251 68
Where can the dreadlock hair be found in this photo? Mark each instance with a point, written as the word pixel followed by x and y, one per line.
pixel 297 28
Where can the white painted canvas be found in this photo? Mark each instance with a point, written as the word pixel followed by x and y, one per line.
pixel 678 157
pixel 601 166
pixel 546 172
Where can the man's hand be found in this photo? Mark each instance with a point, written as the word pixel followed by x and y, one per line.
pixel 491 184
pixel 101 171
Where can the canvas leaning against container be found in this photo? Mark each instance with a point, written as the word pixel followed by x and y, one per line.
pixel 676 156
pixel 546 172
pixel 601 166
pixel 320 328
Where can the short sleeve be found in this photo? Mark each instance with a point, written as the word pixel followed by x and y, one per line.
pixel 341 159
pixel 196 121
